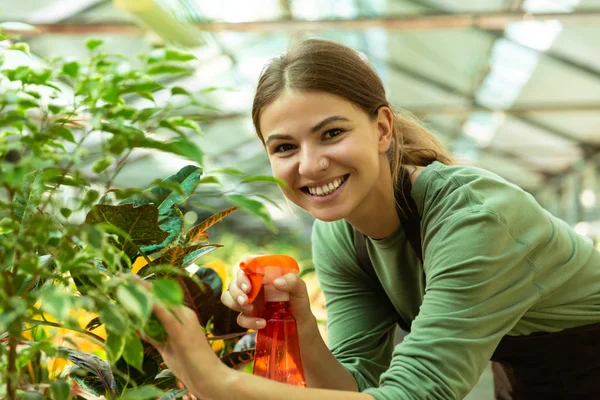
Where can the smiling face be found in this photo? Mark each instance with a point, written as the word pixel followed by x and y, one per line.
pixel 303 130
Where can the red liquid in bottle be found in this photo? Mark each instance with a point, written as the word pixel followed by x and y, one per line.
pixel 277 355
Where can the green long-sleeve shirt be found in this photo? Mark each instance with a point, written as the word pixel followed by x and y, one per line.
pixel 496 264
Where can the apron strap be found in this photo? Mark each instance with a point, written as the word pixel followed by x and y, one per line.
pixel 409 221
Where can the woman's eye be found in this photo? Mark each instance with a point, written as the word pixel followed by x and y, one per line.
pixel 330 134
pixel 282 148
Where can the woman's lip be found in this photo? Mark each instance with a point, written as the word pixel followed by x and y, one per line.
pixel 323 182
pixel 329 197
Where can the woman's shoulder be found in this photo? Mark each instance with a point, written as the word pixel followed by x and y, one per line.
pixel 467 188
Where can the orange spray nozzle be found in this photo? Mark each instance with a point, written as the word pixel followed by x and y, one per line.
pixel 263 269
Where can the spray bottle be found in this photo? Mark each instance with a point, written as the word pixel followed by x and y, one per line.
pixel 277 354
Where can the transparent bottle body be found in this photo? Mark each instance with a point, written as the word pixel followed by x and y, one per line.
pixel 277 354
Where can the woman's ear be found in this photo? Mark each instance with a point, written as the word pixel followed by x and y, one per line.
pixel 385 128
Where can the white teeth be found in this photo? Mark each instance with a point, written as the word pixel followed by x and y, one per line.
pixel 327 188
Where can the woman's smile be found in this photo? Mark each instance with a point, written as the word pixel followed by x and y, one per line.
pixel 325 192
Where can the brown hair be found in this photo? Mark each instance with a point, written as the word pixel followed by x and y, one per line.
pixel 324 66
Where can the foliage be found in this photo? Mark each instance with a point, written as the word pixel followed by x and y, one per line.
pixel 68 239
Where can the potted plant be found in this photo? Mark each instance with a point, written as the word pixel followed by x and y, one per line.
pixel 69 239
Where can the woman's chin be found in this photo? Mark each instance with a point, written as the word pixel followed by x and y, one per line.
pixel 327 215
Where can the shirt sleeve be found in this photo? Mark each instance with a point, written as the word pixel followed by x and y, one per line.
pixel 361 320
pixel 479 283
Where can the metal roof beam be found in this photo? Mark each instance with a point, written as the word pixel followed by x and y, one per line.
pixel 460 111
pixel 486 21
pixel 499 34
pixel 457 92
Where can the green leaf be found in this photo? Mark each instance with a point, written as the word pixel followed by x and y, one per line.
pixel 61 390
pixel 147 96
pixel 168 291
pixel 161 191
pixel 154 329
pixel 254 207
pixel 185 123
pixel 146 113
pixel 170 221
pixel 174 394
pixel 142 393
pixel 210 180
pixel 115 345
pixel 264 178
pixel 56 302
pixel 135 300
pixel 207 305
pixel 141 87
pixel 191 178
pixel 97 377
pixel 169 69
pixel 228 171
pixel 102 164
pixel 33 94
pixel 66 212
pixel 71 69
pixel 15 309
pixel 179 146
pixel 114 319
pixel 134 352
pixel 191 257
pixel 65 133
pixel 267 199
pixel 29 196
pixel 136 226
pixel 177 256
pixel 93 44
pixel 21 46
pixel 179 90
pixel 211 278
pixel 175 55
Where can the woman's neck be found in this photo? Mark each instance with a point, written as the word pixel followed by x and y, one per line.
pixel 377 217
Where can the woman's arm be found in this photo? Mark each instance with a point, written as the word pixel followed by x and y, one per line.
pixel 190 357
pixel 238 385
pixel 321 369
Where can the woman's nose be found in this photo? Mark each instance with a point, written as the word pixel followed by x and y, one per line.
pixel 312 163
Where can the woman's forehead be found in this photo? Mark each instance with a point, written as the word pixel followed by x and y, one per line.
pixel 304 108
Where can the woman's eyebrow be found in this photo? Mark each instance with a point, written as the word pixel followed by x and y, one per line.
pixel 314 129
pixel 326 121
pixel 276 136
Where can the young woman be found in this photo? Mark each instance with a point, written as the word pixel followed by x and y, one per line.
pixel 468 263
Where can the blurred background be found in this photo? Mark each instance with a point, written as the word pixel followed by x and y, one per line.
pixel 512 86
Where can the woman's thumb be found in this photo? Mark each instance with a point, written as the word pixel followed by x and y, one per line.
pixel 292 284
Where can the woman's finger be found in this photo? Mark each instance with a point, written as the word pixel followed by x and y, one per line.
pixel 249 322
pixel 238 297
pixel 229 302
pixel 292 284
pixel 243 282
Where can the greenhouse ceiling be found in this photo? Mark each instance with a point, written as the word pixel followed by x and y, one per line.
pixel 509 85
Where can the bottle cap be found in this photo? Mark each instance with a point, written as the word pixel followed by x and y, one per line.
pixel 263 269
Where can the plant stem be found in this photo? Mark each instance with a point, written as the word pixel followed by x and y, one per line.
pixel 92 335
pixel 11 381
pixel 118 168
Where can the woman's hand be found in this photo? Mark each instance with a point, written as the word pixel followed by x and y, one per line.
pixel 236 298
pixel 188 353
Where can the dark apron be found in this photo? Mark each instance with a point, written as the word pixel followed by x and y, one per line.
pixel 548 366
pixel 561 365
